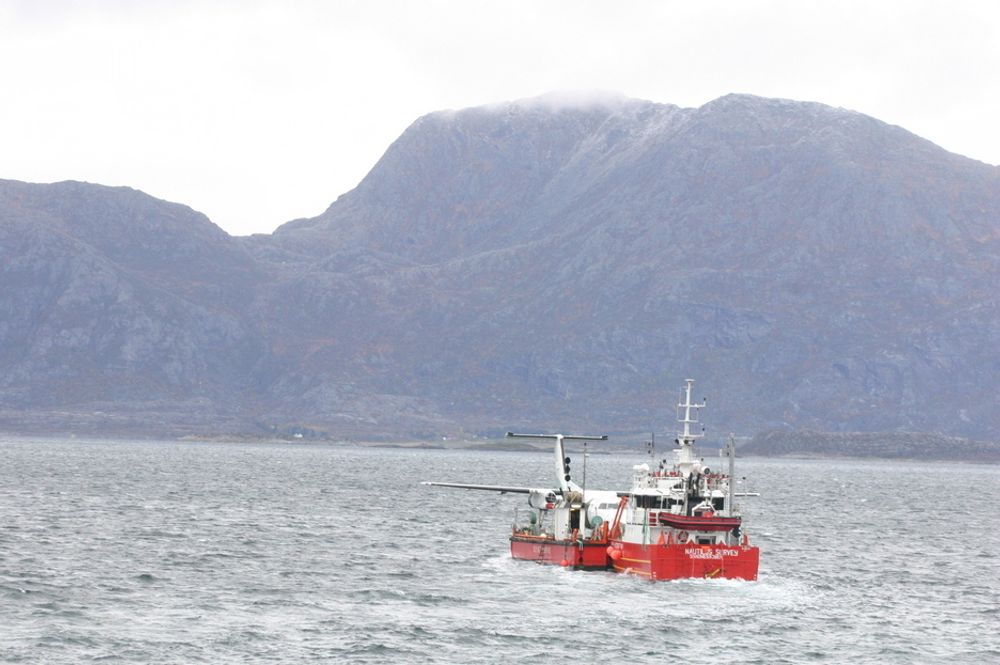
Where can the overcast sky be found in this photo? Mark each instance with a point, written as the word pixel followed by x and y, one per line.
pixel 256 113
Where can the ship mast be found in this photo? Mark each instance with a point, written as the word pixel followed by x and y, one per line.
pixel 731 453
pixel 687 415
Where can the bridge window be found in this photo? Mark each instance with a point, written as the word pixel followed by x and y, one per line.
pixel 646 501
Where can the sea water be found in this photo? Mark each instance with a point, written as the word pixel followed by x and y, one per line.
pixel 163 552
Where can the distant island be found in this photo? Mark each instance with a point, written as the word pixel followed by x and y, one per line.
pixel 884 445
pixel 772 443
pixel 778 443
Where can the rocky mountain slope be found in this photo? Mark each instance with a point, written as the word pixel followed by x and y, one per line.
pixel 545 265
pixel 113 298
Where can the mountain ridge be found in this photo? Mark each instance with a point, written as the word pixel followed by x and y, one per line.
pixel 538 263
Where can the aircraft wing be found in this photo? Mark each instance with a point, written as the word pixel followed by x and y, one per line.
pixel 489 488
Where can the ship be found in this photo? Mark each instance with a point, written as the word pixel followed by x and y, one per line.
pixel 679 518
pixel 565 525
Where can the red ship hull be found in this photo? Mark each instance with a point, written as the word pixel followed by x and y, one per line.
pixel 672 561
pixel 569 553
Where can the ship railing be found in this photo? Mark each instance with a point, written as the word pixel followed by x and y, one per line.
pixel 531 525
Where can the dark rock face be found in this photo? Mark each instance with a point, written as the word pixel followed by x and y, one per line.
pixel 536 265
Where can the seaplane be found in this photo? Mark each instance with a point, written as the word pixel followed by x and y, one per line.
pixel 565 525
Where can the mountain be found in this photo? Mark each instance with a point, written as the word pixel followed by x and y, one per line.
pixel 113 299
pixel 541 263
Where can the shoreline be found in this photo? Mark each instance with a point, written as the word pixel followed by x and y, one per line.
pixel 495 445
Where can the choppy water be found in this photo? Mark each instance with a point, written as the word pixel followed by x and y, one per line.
pixel 216 553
